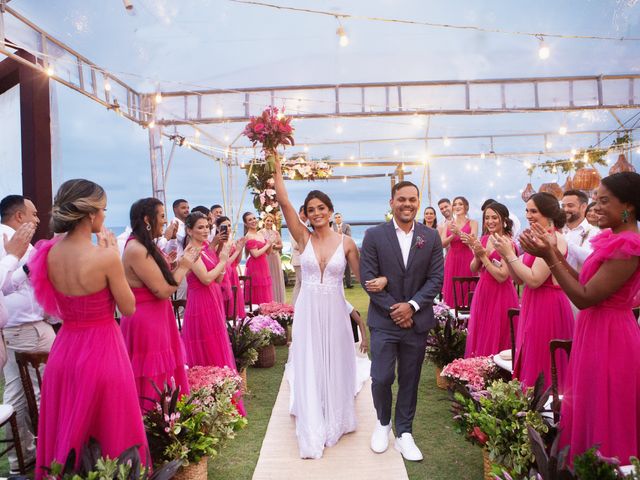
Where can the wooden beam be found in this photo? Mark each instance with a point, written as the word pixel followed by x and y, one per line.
pixel 8 74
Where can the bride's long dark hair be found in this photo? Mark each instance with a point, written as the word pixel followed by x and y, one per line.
pixel 148 207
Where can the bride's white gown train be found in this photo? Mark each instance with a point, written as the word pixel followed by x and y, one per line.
pixel 323 370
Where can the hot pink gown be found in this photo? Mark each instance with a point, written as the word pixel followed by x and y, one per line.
pixel 153 342
pixel 204 330
pixel 456 264
pixel 601 404
pixel 231 280
pixel 489 331
pixel 88 388
pixel 258 270
pixel 545 315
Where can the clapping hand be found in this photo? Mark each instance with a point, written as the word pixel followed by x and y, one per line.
pixel 502 244
pixel 224 253
pixel 189 256
pixel 106 239
pixel 171 257
pixel 537 242
pixel 376 285
pixel 453 228
pixel 171 231
pixel 241 242
pixel 20 240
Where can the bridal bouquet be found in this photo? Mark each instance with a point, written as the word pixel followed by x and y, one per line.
pixel 271 129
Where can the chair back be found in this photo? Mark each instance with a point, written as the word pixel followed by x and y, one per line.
pixel 462 286
pixel 513 313
pixel 553 346
pixel 33 360
pixel 232 305
pixel 178 310
pixel 246 288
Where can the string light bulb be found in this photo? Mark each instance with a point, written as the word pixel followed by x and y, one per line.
pixel 562 130
pixel 548 145
pixel 151 124
pixel 50 70
pixel 446 141
pixel 197 133
pixel 482 156
pixel 306 148
pixel 158 97
pixel 343 39
pixel 585 157
pixel 344 179
pixel 339 129
pixel 107 86
pixel 543 49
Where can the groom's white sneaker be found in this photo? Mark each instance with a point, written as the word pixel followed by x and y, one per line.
pixel 408 448
pixel 380 437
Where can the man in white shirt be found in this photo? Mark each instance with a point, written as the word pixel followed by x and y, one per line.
pixel 174 236
pixel 577 231
pixel 26 329
pixel 215 213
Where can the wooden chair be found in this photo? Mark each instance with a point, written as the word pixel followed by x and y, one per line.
pixel 178 310
pixel 512 313
pixel 34 360
pixel 231 317
pixel 462 286
pixel 246 286
pixel 555 402
pixel 636 313
pixel 8 415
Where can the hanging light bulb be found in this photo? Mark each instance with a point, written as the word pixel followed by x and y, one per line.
pixel 151 124
pixel 342 164
pixel 344 179
pixel 562 130
pixel 107 86
pixel 219 111
pixel 306 148
pixel 351 157
pixel 573 151
pixel 482 156
pixel 548 145
pixel 339 129
pixel 543 49
pixel 197 133
pixel 158 97
pixel 226 138
pixel 342 36
pixel 446 141
pixel 395 153
pixel 50 70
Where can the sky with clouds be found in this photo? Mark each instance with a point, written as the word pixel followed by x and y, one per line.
pixel 195 44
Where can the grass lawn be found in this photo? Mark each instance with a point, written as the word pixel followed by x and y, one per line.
pixel 447 454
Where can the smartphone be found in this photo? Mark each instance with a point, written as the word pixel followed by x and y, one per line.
pixel 224 229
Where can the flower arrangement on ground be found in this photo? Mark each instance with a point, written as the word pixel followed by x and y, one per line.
pixel 268 326
pixel 93 466
pixel 474 373
pixel 245 343
pixel 191 427
pixel 499 418
pixel 282 312
pixel 447 340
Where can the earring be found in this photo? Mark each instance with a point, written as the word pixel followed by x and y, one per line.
pixel 625 216
pixel 148 227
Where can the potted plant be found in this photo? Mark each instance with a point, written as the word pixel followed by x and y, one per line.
pixel 497 419
pixel 270 329
pixel 283 313
pixel 245 344
pixel 446 341
pixel 92 465
pixel 191 428
pixel 473 373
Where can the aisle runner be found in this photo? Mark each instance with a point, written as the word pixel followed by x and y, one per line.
pixel 350 459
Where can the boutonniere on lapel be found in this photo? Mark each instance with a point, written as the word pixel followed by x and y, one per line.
pixel 419 241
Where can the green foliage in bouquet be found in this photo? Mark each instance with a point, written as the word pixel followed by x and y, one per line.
pixel 93 466
pixel 447 340
pixel 245 343
pixel 193 426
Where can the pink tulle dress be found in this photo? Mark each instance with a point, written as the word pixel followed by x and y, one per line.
pixel 545 315
pixel 153 342
pixel 456 264
pixel 258 270
pixel 601 404
pixel 230 280
pixel 204 331
pixel 88 389
pixel 489 331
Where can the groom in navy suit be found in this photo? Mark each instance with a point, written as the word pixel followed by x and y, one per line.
pixel 409 255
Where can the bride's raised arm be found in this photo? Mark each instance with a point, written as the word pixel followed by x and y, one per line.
pixel 299 232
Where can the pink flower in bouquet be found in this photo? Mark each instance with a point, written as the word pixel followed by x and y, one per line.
pixel 440 309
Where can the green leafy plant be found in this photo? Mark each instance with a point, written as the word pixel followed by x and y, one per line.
pixel 447 340
pixel 93 466
pixel 245 343
pixel 193 426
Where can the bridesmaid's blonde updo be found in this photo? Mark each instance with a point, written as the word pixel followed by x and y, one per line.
pixel 75 200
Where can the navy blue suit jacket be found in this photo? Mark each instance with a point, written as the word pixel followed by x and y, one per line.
pixel 420 281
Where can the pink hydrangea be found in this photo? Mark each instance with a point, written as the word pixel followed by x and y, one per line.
pixel 201 377
pixel 260 323
pixel 275 308
pixel 474 372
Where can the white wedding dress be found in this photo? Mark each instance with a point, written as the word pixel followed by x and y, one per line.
pixel 324 371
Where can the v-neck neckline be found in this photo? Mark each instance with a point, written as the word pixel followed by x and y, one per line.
pixel 328 261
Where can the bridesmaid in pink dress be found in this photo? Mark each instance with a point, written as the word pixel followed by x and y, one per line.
pixel 489 331
pixel 458 260
pixel 88 388
pixel 205 326
pixel 151 333
pixel 231 279
pixel 601 405
pixel 545 313
pixel 257 265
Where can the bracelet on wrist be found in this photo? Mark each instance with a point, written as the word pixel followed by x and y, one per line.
pixel 555 264
pixel 514 259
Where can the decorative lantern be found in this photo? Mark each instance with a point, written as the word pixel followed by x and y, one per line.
pixel 568 184
pixel 527 192
pixel 553 188
pixel 587 179
pixel 622 165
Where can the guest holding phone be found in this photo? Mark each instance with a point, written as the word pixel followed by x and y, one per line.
pixel 231 279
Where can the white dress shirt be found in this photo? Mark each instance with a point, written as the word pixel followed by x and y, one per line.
pixel 19 299
pixel 405 239
pixel 8 265
pixel 579 243
pixel 176 243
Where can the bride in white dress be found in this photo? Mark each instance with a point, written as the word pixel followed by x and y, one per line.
pixel 322 362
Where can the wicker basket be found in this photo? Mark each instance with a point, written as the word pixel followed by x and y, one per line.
pixel 486 463
pixel 193 471
pixel 280 341
pixel 441 382
pixel 266 357
pixel 243 387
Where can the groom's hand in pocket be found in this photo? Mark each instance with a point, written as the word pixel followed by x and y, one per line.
pixel 402 314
